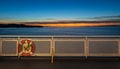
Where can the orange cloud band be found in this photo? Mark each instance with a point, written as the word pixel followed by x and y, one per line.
pixel 74 24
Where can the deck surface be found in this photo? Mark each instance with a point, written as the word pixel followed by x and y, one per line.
pixel 59 64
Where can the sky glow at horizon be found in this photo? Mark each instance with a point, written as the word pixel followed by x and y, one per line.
pixel 36 10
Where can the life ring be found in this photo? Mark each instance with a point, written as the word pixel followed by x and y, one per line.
pixel 26 47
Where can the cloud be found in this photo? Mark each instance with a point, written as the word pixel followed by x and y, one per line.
pixel 108 18
pixel 101 17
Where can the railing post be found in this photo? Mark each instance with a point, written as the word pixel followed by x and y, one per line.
pixel 52 50
pixel 0 46
pixel 119 47
pixel 17 47
pixel 52 56
pixel 86 48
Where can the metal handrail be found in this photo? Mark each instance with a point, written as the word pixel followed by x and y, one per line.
pixel 57 36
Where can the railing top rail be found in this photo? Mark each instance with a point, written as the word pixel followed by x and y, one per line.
pixel 49 36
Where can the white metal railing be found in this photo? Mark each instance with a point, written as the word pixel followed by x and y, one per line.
pixel 63 45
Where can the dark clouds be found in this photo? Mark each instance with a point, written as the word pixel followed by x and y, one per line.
pixel 108 18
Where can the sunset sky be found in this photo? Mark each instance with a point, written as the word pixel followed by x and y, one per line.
pixel 51 10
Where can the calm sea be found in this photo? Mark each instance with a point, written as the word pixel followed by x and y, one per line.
pixel 82 31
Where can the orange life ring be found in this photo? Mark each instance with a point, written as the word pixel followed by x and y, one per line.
pixel 26 47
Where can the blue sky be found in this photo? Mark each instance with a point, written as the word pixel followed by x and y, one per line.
pixel 37 10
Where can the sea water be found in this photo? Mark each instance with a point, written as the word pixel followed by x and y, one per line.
pixel 81 31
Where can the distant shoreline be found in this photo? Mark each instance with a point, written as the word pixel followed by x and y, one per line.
pixel 17 26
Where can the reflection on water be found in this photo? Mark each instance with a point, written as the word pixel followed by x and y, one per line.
pixel 61 31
